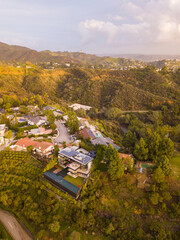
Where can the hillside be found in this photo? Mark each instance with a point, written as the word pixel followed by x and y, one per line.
pixel 128 90
pixel 9 53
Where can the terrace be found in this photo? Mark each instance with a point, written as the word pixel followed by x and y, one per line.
pixel 64 182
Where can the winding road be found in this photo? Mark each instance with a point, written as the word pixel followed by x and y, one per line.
pixel 13 227
pixel 63 134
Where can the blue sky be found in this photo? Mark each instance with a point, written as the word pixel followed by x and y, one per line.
pixel 93 26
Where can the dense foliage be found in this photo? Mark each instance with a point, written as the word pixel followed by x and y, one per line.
pixel 127 90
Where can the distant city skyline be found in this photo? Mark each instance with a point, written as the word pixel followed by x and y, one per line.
pixel 103 27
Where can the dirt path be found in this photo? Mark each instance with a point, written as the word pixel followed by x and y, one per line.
pixel 13 227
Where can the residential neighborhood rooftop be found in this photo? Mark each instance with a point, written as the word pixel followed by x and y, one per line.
pixel 54 177
pixel 76 156
pixel 2 127
pixel 77 106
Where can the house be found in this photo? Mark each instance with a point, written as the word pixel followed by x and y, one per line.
pixel 76 161
pixel 104 141
pixel 33 108
pixel 15 109
pixel 77 106
pixel 23 143
pixel 58 113
pixel 2 131
pixel 44 148
pixel 48 108
pixel 83 123
pixel 40 131
pixel 55 177
pixel 41 148
pixel 87 133
pixel 39 121
pixel 22 119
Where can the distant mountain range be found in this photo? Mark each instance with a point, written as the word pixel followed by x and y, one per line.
pixel 22 54
pixel 9 53
pixel 147 58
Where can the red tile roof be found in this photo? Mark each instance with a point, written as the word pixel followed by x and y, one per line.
pixel 123 155
pixel 86 133
pixel 25 142
pixel 43 145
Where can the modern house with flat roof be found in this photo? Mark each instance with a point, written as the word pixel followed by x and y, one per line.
pixel 104 141
pixel 77 106
pixel 55 177
pixel 76 161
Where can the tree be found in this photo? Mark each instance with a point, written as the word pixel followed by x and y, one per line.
pixel 116 166
pixel 81 112
pixel 54 227
pixel 50 116
pixel 154 147
pixel 112 113
pixel 163 163
pixel 141 150
pixel 72 122
pixel 154 198
pixel 167 147
pixel 129 141
pixel 9 134
pixel 158 175
pixel 56 150
pixel 30 148
pixel 23 109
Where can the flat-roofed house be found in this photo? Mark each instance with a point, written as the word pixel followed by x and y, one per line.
pixel 104 141
pixel 77 106
pixel 76 162
pixel 54 176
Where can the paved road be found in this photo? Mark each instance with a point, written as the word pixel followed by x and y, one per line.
pixel 13 227
pixel 63 134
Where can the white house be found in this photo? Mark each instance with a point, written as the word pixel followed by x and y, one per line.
pixel 2 131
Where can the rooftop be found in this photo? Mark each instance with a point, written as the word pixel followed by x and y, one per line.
pixel 2 127
pixel 76 156
pixel 76 106
pixel 86 133
pixel 60 182
pixel 25 142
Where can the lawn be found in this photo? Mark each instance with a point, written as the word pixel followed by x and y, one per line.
pixel 76 181
pixel 175 164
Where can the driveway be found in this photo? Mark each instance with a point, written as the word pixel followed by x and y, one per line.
pixel 63 134
pixel 13 227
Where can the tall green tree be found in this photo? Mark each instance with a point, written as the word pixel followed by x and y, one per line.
pixel 129 141
pixel 116 165
pixel 72 122
pixel 164 163
pixel 141 150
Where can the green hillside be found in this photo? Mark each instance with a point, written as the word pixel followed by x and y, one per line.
pixel 128 90
pixel 9 53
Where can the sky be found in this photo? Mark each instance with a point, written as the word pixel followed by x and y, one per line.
pixel 93 26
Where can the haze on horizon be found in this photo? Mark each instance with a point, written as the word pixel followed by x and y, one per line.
pixel 100 27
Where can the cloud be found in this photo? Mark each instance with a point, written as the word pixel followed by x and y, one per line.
pixel 115 18
pixel 93 27
pixel 148 22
